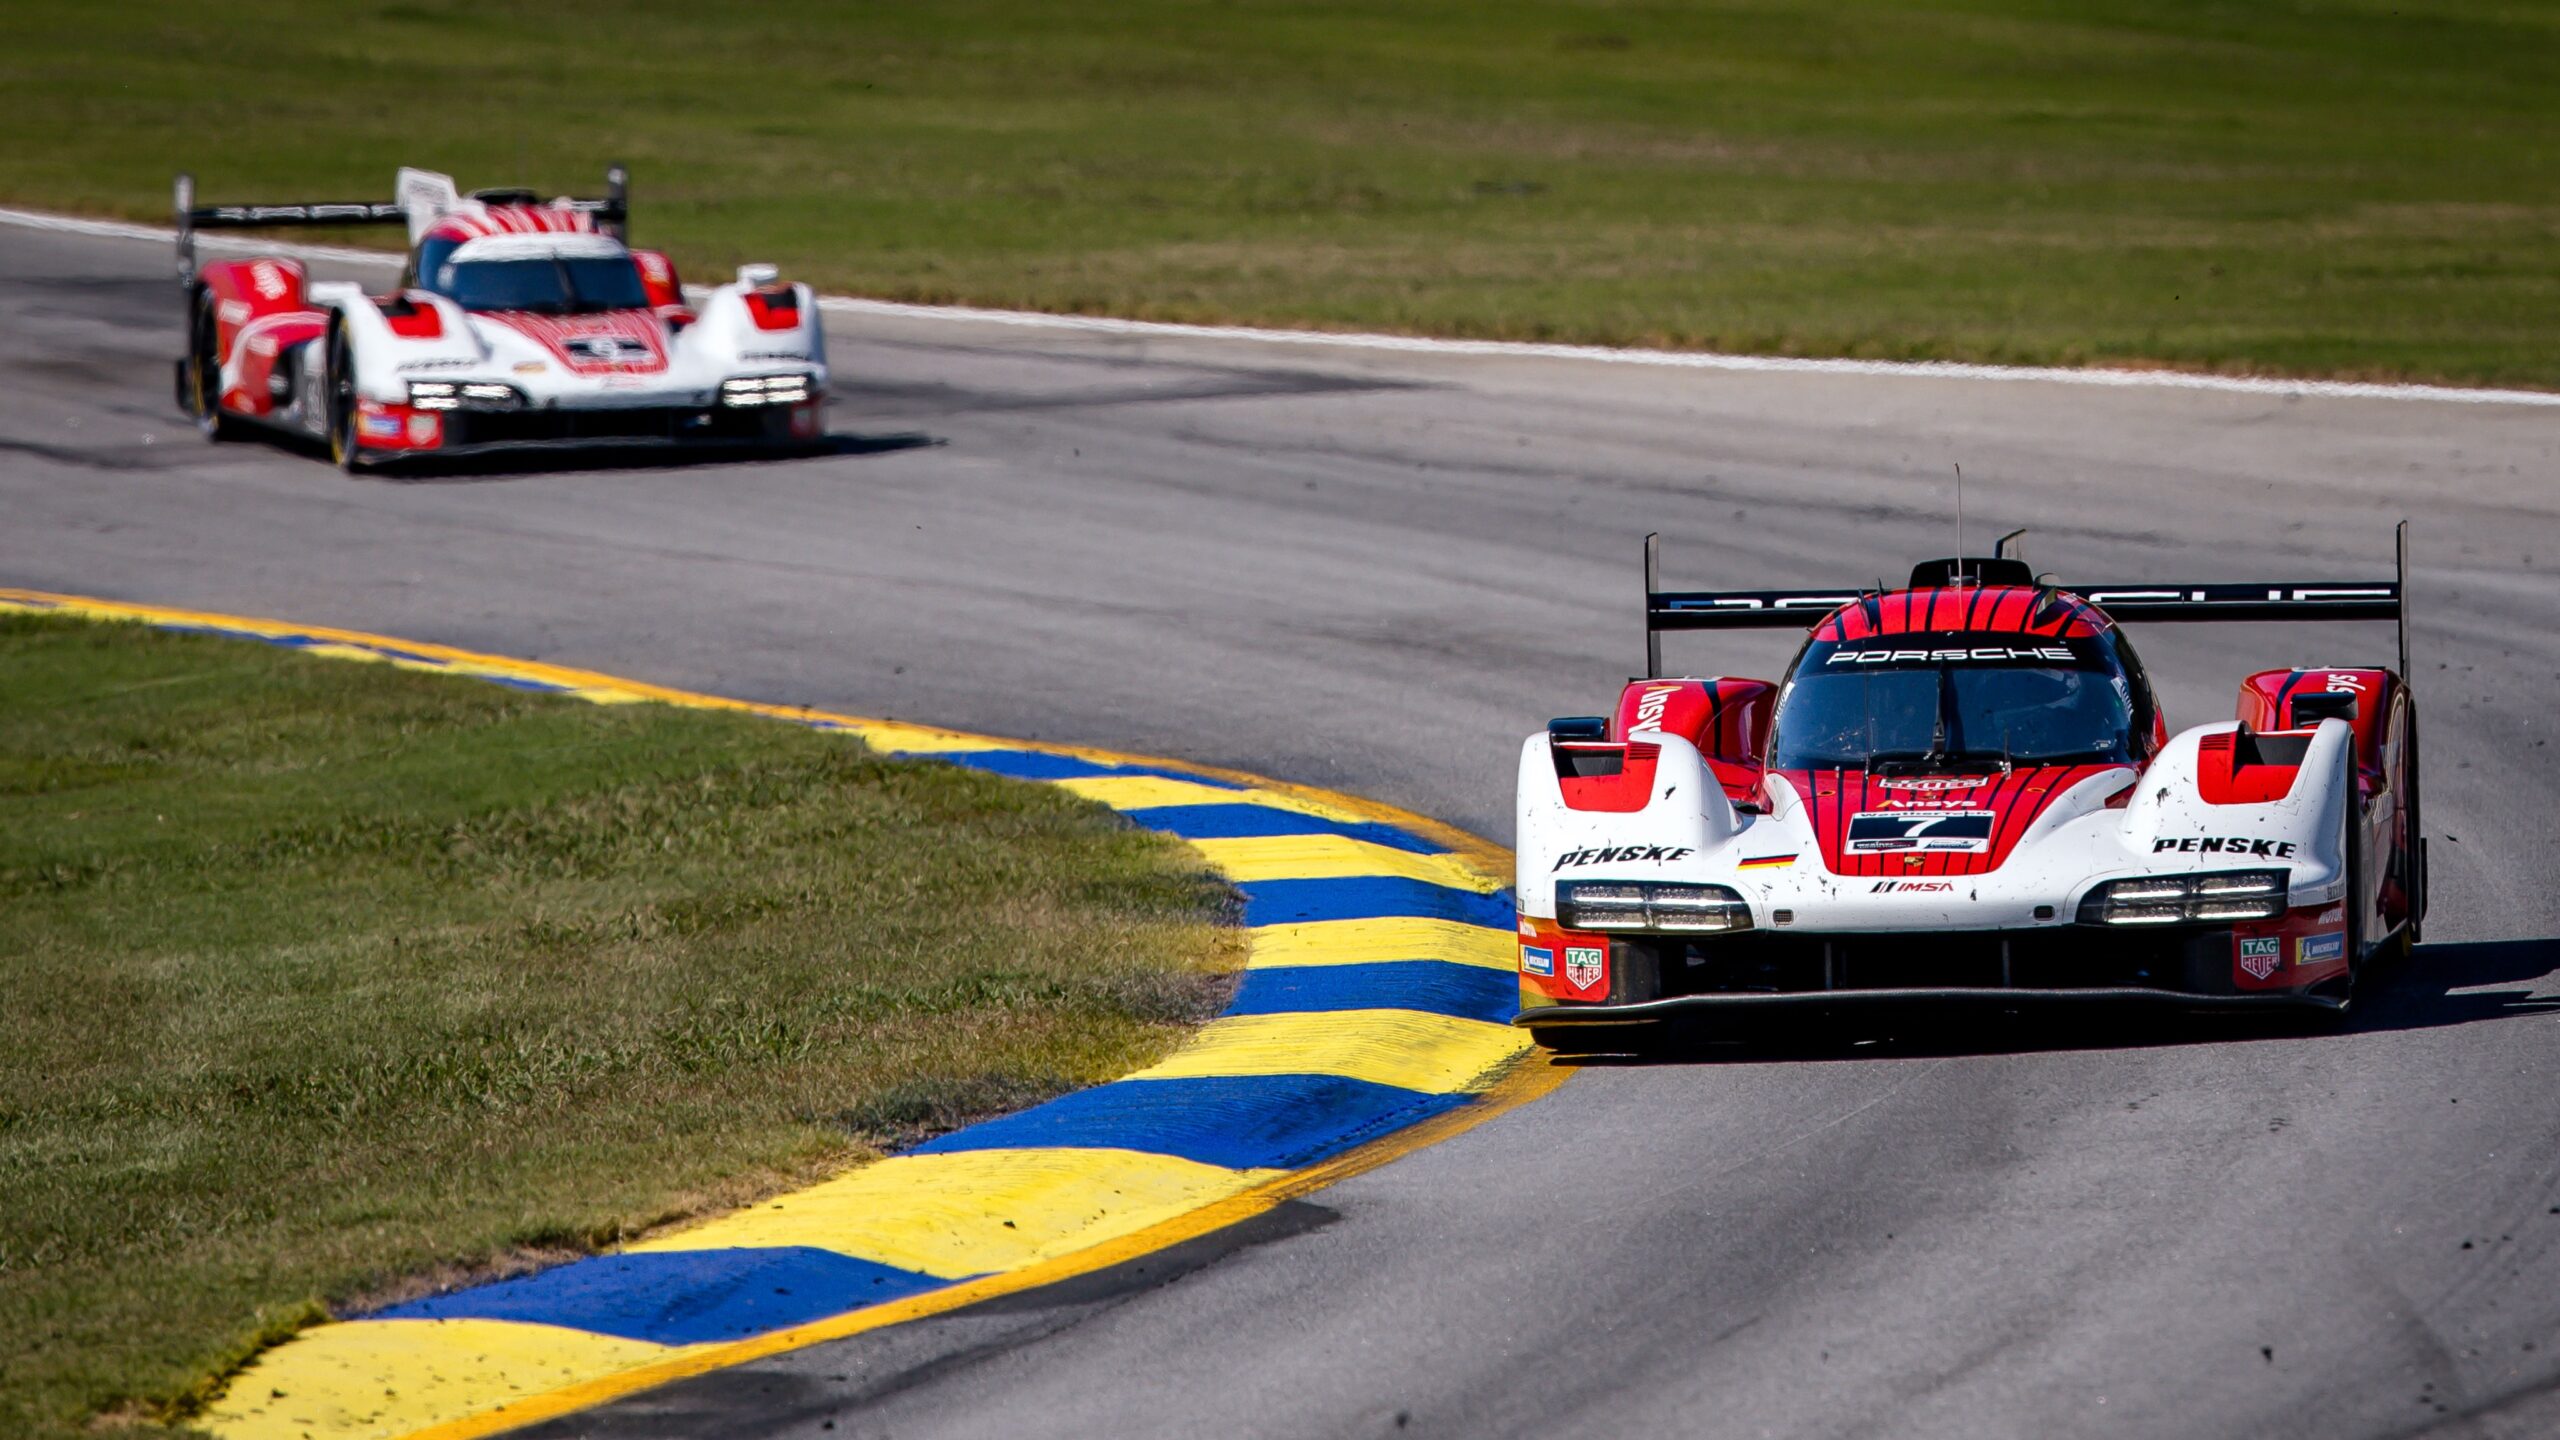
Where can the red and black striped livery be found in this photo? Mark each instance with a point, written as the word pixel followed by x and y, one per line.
pixel 1985 609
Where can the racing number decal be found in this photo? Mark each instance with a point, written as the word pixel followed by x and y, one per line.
pixel 1959 831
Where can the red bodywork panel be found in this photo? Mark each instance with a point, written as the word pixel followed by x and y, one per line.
pixel 1606 775
pixel 1914 826
pixel 666 291
pixel 2299 699
pixel 1561 964
pixel 658 277
pixel 1996 609
pixel 512 220
pixel 636 340
pixel 2301 947
pixel 259 313
pixel 775 307
pixel 2226 776
pixel 1727 719
pixel 397 427
pixel 410 317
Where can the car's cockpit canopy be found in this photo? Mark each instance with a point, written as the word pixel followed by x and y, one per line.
pixel 559 274
pixel 1956 701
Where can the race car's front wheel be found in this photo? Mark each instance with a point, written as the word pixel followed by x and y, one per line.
pixel 345 445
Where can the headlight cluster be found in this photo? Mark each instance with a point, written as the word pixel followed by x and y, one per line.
pixel 2187 899
pixel 464 395
pixel 765 390
pixel 1606 905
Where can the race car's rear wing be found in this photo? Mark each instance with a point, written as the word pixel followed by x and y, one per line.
pixel 1666 610
pixel 612 211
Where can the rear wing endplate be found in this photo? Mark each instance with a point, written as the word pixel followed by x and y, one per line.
pixel 1776 609
pixel 612 211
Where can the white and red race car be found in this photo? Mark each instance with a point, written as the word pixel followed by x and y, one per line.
pixel 518 323
pixel 1966 789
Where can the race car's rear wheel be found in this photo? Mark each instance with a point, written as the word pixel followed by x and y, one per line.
pixel 200 375
pixel 345 445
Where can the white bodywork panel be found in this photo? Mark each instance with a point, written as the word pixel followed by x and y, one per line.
pixel 2075 844
pixel 724 342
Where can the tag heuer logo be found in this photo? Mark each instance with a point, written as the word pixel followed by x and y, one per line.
pixel 1585 964
pixel 2261 957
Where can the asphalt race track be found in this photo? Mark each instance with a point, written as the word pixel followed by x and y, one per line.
pixel 1376 572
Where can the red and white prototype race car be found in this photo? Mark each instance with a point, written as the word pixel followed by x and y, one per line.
pixel 517 323
pixel 1967 788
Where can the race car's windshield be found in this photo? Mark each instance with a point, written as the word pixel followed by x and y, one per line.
pixel 547 285
pixel 1953 702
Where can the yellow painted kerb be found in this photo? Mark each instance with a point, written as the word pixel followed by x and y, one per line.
pixel 1070 1211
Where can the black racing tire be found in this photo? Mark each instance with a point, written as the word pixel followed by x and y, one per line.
pixel 200 374
pixel 2415 881
pixel 345 447
pixel 2359 967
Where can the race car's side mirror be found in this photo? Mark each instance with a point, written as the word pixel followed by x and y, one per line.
pixel 1578 727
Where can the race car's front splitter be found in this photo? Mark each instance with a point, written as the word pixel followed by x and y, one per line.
pixel 1648 1012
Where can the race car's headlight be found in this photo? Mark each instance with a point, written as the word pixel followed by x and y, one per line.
pixel 463 394
pixel 1604 905
pixel 765 390
pixel 2187 899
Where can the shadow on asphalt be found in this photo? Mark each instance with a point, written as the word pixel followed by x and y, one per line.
pixel 513 465
pixel 2438 986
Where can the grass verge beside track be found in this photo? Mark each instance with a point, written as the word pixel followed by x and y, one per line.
pixel 322 977
pixel 2335 187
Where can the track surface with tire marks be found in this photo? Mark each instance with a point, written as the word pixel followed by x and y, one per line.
pixel 1375 572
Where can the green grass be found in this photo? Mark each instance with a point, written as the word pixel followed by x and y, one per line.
pixel 2326 186
pixel 322 978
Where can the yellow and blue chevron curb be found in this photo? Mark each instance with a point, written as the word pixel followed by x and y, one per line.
pixel 1370 1021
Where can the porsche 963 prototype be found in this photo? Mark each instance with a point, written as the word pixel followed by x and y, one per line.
pixel 1967 789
